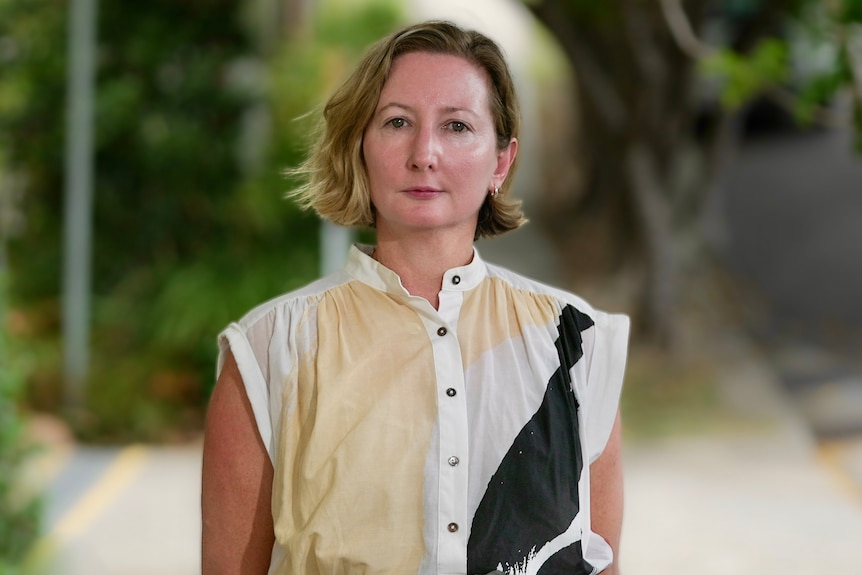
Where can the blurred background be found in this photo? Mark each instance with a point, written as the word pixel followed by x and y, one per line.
pixel 696 164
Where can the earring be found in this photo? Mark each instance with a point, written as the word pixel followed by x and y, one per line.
pixel 496 192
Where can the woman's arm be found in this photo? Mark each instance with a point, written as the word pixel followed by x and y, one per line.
pixel 606 494
pixel 236 487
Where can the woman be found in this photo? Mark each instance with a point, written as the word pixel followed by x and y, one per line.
pixel 420 411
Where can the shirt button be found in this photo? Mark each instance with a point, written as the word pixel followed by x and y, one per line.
pixel 456 280
pixel 453 461
pixel 442 331
pixel 452 527
pixel 451 392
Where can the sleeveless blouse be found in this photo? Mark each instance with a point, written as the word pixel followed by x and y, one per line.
pixel 406 439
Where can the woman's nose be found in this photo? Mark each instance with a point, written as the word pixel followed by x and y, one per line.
pixel 425 151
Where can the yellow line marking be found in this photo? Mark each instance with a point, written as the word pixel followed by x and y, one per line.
pixel 92 503
pixel 119 474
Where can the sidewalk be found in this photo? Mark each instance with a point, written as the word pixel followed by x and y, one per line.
pixel 128 511
pixel 760 498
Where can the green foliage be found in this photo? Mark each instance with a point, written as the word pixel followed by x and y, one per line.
pixel 351 28
pixel 850 11
pixel 857 119
pixel 664 397
pixel 19 516
pixel 167 125
pixel 744 77
pixel 191 225
pixel 813 60
pixel 818 92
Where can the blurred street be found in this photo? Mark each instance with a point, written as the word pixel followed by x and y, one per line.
pixel 120 511
pixel 793 202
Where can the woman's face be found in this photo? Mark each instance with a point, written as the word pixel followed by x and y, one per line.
pixel 430 147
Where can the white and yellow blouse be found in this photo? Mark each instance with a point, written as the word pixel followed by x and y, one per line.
pixel 409 440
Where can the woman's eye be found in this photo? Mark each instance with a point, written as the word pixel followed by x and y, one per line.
pixel 397 122
pixel 458 126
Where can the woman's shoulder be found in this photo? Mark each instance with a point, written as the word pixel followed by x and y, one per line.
pixel 292 302
pixel 562 296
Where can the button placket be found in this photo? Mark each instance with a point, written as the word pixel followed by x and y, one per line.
pixel 453 433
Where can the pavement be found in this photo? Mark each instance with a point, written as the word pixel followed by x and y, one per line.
pixel 133 510
pixel 759 496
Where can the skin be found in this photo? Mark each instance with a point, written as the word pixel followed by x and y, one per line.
pixel 431 155
pixel 237 534
pixel 432 159
pixel 606 494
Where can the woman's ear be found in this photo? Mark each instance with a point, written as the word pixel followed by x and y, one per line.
pixel 505 159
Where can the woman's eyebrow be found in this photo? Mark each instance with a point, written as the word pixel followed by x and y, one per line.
pixel 458 110
pixel 445 109
pixel 394 105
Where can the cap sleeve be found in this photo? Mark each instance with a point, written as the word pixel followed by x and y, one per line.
pixel 605 370
pixel 236 340
pixel 264 344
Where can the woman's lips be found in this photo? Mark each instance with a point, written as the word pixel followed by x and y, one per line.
pixel 422 192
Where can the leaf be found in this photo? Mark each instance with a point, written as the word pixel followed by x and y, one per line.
pixel 857 119
pixel 744 77
pixel 851 11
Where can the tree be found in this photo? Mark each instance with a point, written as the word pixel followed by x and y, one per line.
pixel 19 510
pixel 650 140
pixel 196 121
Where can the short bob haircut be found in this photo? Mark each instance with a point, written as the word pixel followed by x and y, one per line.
pixel 334 174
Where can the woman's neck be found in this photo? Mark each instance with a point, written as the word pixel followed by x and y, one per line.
pixel 421 262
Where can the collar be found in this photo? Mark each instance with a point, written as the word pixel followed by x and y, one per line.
pixel 363 267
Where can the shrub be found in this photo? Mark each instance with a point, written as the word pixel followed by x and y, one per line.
pixel 190 225
pixel 19 516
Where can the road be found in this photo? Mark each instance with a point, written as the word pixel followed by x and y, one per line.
pixel 133 510
pixel 792 207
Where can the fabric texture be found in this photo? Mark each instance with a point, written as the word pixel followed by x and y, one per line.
pixel 406 439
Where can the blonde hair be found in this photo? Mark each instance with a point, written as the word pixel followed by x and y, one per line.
pixel 335 178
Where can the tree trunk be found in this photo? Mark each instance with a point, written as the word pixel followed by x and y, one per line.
pixel 644 158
